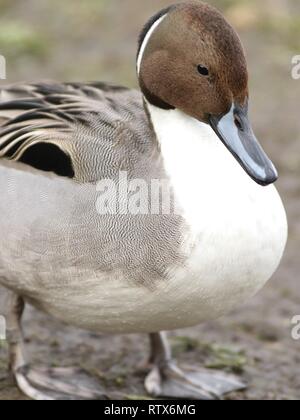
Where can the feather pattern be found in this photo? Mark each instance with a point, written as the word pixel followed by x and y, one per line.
pixel 57 246
pixel 81 120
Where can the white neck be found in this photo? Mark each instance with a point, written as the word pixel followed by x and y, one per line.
pixel 203 172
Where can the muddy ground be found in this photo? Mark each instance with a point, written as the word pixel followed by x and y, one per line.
pixel 95 40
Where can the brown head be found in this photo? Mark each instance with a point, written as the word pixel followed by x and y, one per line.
pixel 191 59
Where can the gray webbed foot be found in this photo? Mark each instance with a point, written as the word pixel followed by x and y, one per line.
pixel 58 384
pixel 168 381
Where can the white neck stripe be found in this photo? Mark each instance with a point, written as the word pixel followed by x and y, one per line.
pixel 146 40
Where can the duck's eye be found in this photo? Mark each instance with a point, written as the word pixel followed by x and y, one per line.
pixel 203 70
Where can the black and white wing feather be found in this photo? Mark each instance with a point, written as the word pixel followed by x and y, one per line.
pixel 75 130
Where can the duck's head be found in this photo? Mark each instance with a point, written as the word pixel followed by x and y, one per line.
pixel 191 59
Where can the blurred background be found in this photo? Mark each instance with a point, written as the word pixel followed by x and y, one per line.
pixel 72 40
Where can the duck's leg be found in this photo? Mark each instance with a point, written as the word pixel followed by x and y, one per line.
pixel 44 384
pixel 169 381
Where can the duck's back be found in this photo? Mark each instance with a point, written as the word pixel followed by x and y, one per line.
pixel 56 143
pixel 80 131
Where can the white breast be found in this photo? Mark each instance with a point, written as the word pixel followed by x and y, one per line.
pixel 239 228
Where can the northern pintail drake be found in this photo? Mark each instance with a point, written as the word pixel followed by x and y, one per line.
pixel 83 237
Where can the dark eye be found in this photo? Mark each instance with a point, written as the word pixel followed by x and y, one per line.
pixel 203 70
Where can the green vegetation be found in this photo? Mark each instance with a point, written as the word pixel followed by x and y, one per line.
pixel 184 344
pixel 214 356
pixel 17 39
pixel 226 358
pixel 286 29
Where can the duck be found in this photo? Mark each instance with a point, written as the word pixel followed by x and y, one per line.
pixel 85 240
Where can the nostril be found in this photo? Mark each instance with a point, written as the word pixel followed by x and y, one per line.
pixel 238 123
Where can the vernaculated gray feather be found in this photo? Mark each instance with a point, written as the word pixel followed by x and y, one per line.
pixel 54 244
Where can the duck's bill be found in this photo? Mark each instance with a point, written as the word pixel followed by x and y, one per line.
pixel 234 130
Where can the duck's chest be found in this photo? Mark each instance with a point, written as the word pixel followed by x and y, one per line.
pixel 237 228
pixel 237 237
